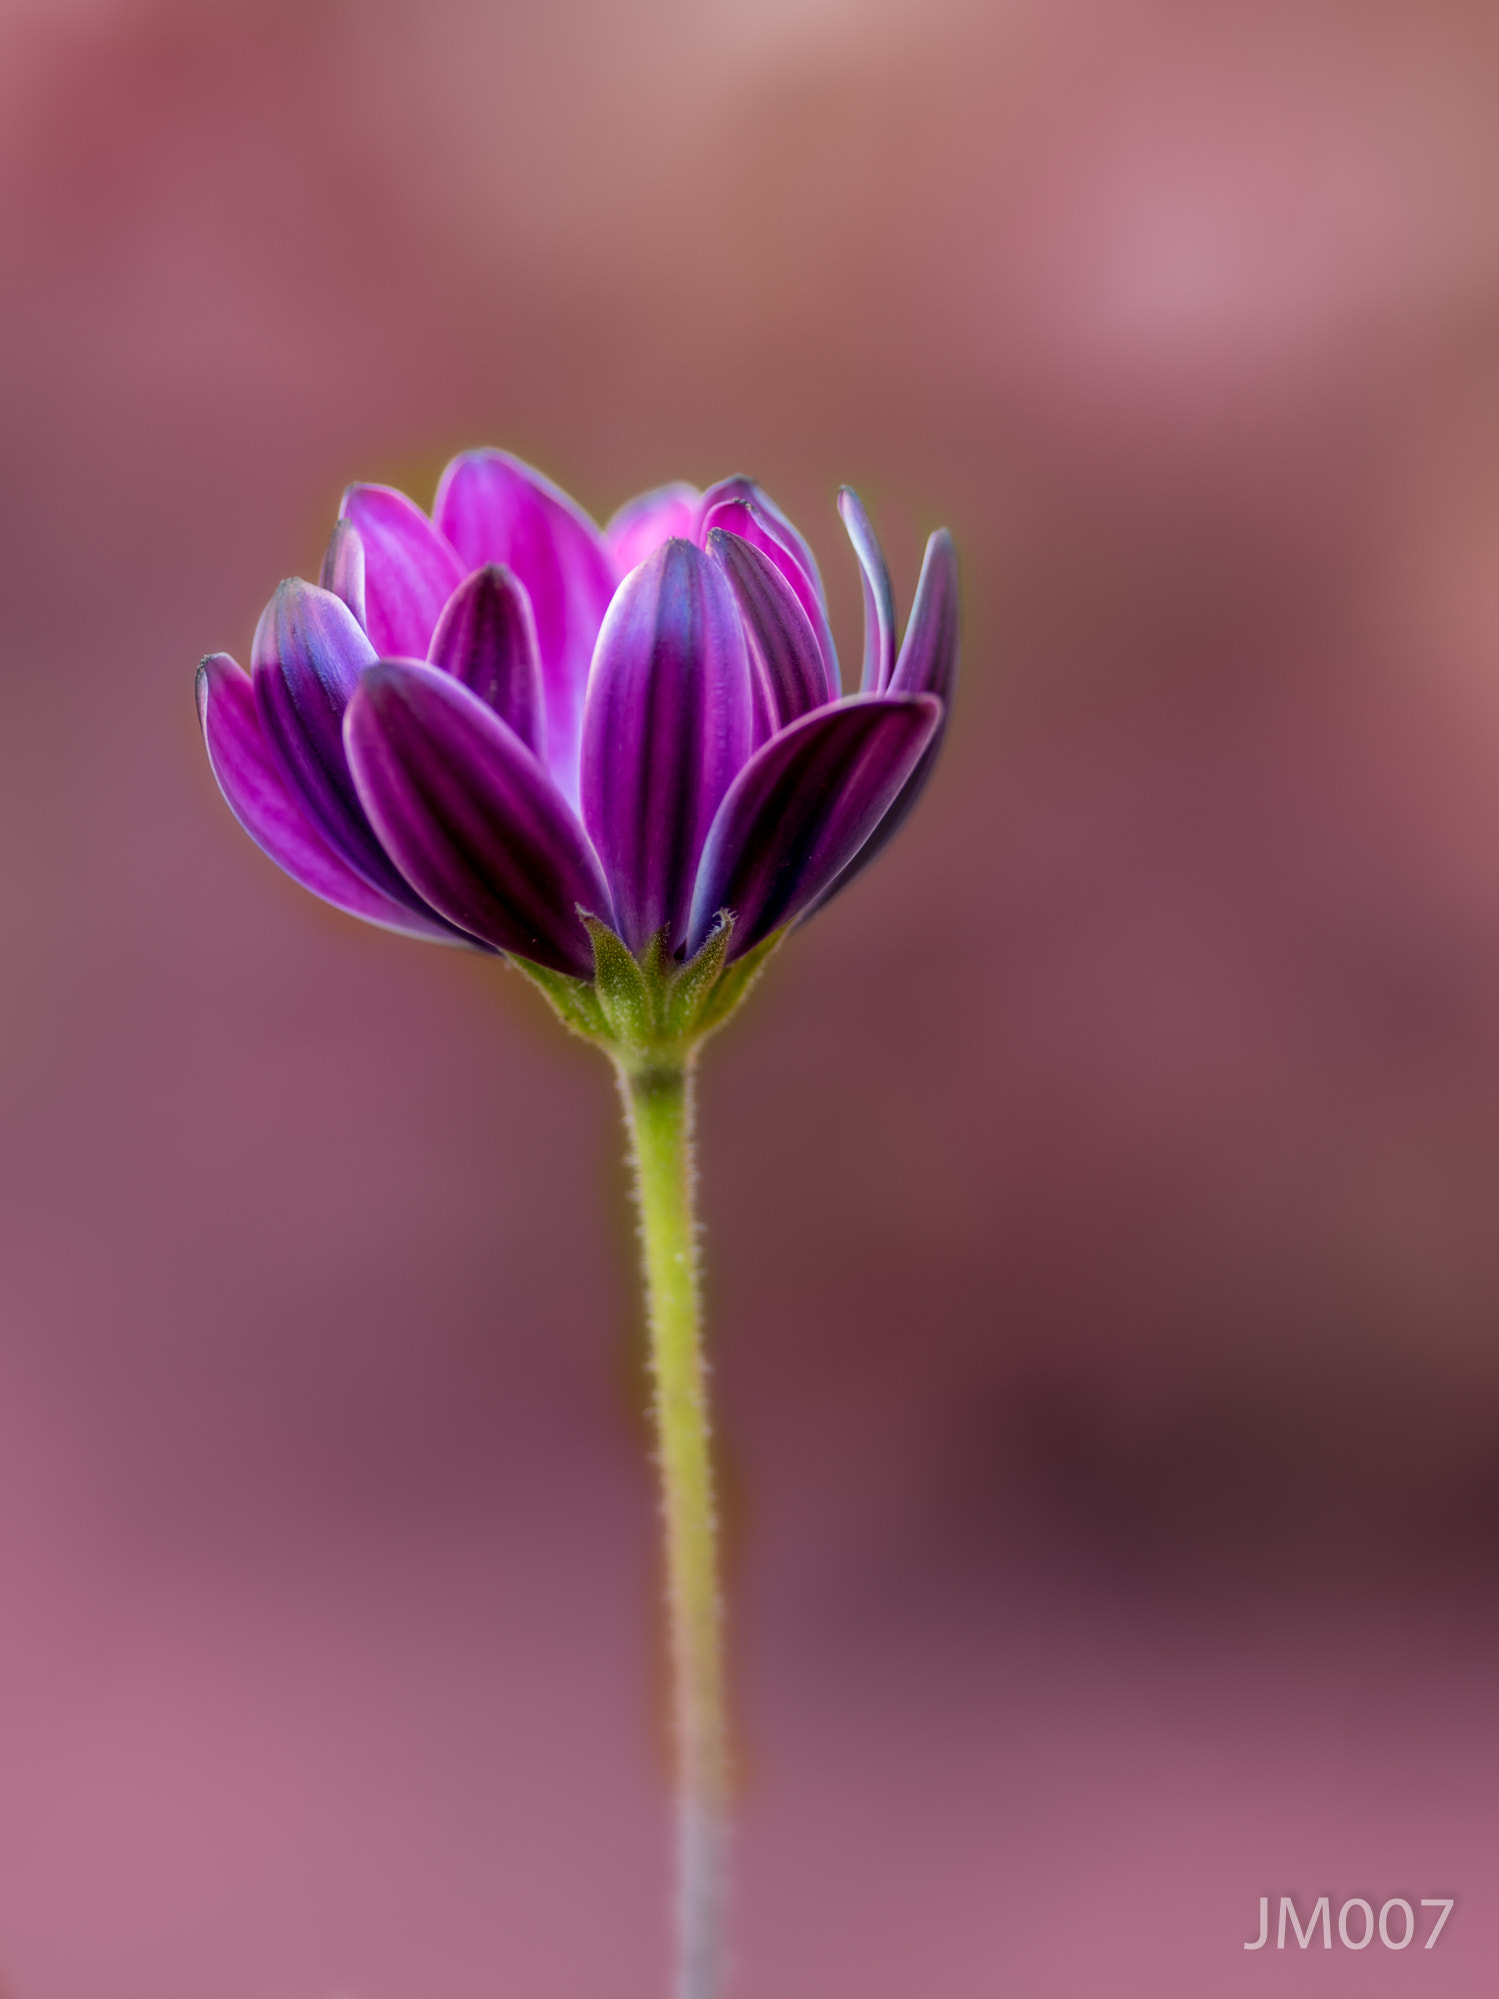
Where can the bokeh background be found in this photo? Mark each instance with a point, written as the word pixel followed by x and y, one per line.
pixel 1103 1197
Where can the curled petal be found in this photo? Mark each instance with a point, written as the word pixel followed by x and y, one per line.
pixel 471 817
pixel 741 488
pixel 494 508
pixel 410 570
pixel 928 664
pixel 257 795
pixel 307 659
pixel 739 507
pixel 343 568
pixel 802 808
pixel 879 599
pixel 669 513
pixel 786 667
pixel 486 637
pixel 666 728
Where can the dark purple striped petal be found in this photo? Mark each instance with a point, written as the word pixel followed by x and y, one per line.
pixel 666 728
pixel 802 808
pixel 739 507
pixel 307 659
pixel 486 637
pixel 642 524
pixel 493 508
pixel 928 664
pixel 471 817
pixel 879 599
pixel 410 570
pixel 343 568
pixel 258 797
pixel 786 668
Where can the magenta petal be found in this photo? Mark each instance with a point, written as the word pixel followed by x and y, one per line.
pixel 471 817
pixel 738 487
pixel 343 568
pixel 494 508
pixel 258 797
pixel 668 514
pixel 879 600
pixel 486 637
pixel 666 728
pixel 410 569
pixel 786 666
pixel 799 812
pixel 739 507
pixel 307 659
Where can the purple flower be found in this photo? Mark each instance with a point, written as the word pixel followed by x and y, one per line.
pixel 482 726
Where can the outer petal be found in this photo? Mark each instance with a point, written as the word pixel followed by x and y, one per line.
pixel 307 659
pixel 259 799
pixel 786 667
pixel 471 816
pixel 802 808
pixel 666 729
pixel 410 569
pixel 495 509
pixel 739 507
pixel 486 637
pixel 670 513
pixel 928 664
pixel 879 599
pixel 343 568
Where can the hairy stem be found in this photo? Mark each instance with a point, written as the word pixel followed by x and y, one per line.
pixel 658 1110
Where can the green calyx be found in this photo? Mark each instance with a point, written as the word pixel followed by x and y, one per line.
pixel 651 1011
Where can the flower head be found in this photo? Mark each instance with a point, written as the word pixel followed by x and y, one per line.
pixel 502 727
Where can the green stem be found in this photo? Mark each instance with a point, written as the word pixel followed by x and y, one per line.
pixel 658 1110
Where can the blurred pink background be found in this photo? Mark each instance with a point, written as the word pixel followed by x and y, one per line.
pixel 1103 1197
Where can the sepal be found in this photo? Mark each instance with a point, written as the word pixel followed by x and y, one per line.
pixel 574 1001
pixel 647 1010
pixel 732 987
pixel 621 987
pixel 691 991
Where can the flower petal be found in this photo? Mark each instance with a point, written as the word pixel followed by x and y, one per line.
pixel 471 816
pixel 343 568
pixel 879 599
pixel 307 659
pixel 410 569
pixel 928 664
pixel 493 508
pixel 666 728
pixel 802 808
pixel 670 513
pixel 486 637
pixel 739 487
pixel 739 507
pixel 258 797
pixel 786 667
